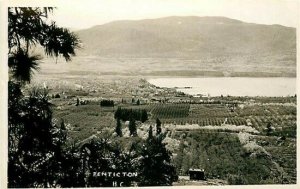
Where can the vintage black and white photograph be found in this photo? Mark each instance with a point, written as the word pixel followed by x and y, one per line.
pixel 120 93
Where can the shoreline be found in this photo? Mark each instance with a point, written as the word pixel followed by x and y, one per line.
pixel 216 86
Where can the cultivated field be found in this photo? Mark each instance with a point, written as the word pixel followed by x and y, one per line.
pixel 237 140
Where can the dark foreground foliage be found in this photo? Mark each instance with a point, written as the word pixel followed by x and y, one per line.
pixel 40 156
pixel 39 153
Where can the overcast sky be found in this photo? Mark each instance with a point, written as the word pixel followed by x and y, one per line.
pixel 79 14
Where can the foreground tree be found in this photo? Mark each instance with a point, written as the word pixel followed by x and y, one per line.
pixel 150 133
pixel 28 28
pixel 35 143
pixel 71 174
pixel 119 128
pixel 144 116
pixel 37 154
pixel 158 126
pixel 156 168
pixel 132 127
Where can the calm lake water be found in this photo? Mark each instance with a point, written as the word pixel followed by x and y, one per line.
pixel 234 86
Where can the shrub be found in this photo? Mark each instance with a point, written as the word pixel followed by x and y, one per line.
pixel 236 179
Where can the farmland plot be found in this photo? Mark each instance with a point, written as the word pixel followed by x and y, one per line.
pixel 167 111
pixel 281 117
pixel 86 120
pixel 222 156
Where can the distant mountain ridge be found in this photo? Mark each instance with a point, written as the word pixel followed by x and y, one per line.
pixel 187 37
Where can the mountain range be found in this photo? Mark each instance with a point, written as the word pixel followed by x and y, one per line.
pixel 187 37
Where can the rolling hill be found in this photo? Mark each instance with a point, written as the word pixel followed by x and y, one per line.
pixel 191 37
pixel 184 46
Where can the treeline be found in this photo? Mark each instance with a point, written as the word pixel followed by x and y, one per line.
pixel 133 129
pixel 109 103
pixel 131 114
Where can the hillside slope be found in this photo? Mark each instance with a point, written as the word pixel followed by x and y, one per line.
pixel 191 37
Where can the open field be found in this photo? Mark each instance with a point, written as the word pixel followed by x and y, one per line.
pixel 227 136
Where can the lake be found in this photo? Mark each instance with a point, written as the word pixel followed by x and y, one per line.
pixel 234 86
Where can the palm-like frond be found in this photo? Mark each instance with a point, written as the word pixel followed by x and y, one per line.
pixel 59 41
pixel 22 65
pixel 27 27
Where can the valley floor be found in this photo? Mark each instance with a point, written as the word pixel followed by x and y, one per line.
pixel 236 140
